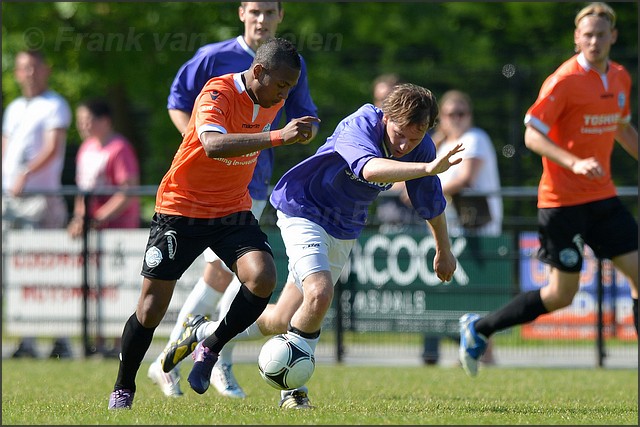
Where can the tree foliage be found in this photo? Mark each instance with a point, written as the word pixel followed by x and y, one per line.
pixel 500 53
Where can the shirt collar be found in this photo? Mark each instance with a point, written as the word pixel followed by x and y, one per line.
pixel 245 46
pixel 585 64
pixel 237 79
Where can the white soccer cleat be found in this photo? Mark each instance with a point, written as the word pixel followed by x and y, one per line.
pixel 225 382
pixel 169 382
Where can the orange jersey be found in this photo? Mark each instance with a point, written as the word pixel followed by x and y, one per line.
pixel 199 187
pixel 580 111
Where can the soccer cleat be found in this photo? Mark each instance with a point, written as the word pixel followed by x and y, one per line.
pixel 200 375
pixel 225 382
pixel 176 351
pixel 169 382
pixel 472 344
pixel 296 399
pixel 121 399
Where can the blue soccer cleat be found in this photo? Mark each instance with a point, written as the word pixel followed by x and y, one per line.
pixel 472 344
pixel 200 374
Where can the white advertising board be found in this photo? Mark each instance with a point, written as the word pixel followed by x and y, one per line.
pixel 43 276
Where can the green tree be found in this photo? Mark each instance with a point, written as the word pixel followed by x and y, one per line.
pixel 499 53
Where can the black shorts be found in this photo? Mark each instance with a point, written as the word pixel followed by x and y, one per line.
pixel 605 225
pixel 176 241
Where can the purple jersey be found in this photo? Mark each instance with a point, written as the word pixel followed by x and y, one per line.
pixel 234 56
pixel 328 188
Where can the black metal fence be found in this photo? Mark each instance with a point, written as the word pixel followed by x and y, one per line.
pixel 388 301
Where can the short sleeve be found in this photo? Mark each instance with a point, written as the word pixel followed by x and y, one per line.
pixel 355 143
pixel 60 115
pixel 549 106
pixel 213 109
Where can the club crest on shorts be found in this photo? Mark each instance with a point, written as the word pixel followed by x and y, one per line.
pixel 153 257
pixel 569 257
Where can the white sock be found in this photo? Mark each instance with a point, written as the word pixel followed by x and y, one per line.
pixel 228 296
pixel 313 342
pixel 226 355
pixel 203 299
pixel 249 334
pixel 206 329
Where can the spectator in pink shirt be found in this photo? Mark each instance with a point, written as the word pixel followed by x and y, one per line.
pixel 105 160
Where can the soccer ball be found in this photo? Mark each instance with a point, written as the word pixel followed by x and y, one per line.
pixel 286 362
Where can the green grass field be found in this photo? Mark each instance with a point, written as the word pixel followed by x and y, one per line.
pixel 76 392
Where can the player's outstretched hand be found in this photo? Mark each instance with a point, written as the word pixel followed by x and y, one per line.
pixel 444 161
pixel 299 130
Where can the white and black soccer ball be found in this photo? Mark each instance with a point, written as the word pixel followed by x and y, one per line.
pixel 285 362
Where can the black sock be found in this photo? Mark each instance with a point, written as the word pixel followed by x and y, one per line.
pixel 635 313
pixel 307 335
pixel 523 308
pixel 245 309
pixel 136 340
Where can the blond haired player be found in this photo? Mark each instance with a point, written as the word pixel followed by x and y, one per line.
pixel 581 111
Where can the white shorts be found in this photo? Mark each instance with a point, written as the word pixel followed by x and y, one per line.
pixel 257 206
pixel 311 249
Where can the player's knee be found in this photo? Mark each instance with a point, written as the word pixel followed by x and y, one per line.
pixel 565 300
pixel 150 316
pixel 558 301
pixel 318 298
pixel 262 284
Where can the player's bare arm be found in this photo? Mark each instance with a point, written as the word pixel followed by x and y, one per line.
pixel 389 170
pixel 444 262
pixel 180 119
pixel 627 137
pixel 54 140
pixel 540 144
pixel 218 145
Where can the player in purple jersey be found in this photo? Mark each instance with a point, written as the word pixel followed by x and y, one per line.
pixel 322 206
pixel 261 21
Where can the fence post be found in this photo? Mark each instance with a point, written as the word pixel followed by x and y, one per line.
pixel 339 325
pixel 88 350
pixel 600 318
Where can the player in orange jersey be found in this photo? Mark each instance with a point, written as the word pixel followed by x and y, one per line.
pixel 582 109
pixel 203 201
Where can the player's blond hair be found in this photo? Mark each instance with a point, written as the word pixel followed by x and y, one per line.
pixel 600 9
pixel 408 104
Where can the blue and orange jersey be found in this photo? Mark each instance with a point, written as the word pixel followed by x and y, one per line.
pixel 197 186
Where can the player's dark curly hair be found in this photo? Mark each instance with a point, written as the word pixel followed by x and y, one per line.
pixel 276 52
pixel 408 104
